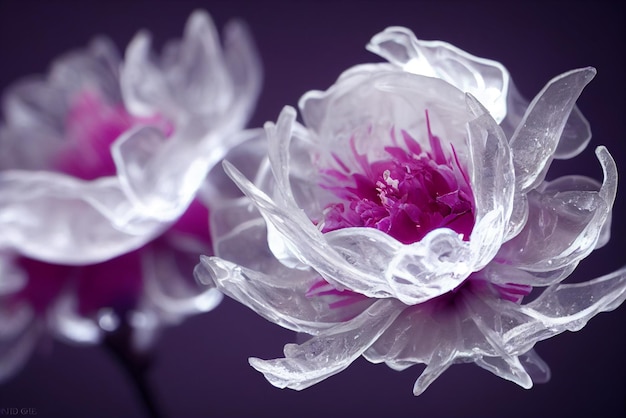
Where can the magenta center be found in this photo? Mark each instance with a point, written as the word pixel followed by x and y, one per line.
pixel 406 195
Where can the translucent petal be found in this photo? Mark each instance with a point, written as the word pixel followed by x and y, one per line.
pixel 412 273
pixel 508 368
pixel 367 106
pixel 96 68
pixel 575 136
pixel 535 140
pixel 35 103
pixel 332 259
pixel 329 352
pixel 485 79
pixel 570 306
pixel 492 180
pixel 244 68
pixel 167 287
pixel 503 273
pixel 439 363
pixel 58 218
pixel 519 215
pixel 563 226
pixel 538 369
pixel 279 297
pixel 143 85
pixel 159 175
pixel 199 71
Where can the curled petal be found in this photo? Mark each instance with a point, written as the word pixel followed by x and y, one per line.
pixel 536 138
pixel 57 218
pixel 167 289
pixel 141 82
pixel 575 136
pixel 279 297
pixel 329 352
pixel 492 183
pixel 485 79
pixel 570 306
pixel 564 226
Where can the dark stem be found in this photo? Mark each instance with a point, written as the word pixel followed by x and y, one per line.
pixel 136 364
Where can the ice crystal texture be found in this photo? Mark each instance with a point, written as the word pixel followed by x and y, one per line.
pixel 409 217
pixel 102 216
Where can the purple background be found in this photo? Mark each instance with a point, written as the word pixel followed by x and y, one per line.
pixel 201 368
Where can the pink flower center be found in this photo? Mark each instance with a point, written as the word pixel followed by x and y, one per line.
pixel 91 127
pixel 406 195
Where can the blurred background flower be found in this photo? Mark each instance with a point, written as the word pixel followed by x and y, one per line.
pixel 101 215
pixel 588 367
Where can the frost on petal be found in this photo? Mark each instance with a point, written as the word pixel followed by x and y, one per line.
pixel 329 352
pixel 492 180
pixel 333 262
pixel 535 140
pixel 469 325
pixel 568 307
pixel 280 297
pixel 485 79
pixel 565 221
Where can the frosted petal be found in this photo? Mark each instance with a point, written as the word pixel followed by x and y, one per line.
pixel 570 306
pixel 439 363
pixel 199 72
pixel 538 369
pixel 575 136
pixel 485 79
pixel 329 352
pixel 563 226
pixel 168 288
pixel 492 180
pixel 412 273
pixel 503 273
pixel 535 140
pixel 57 218
pixel 244 68
pixel 143 85
pixel 279 297
pixel 508 368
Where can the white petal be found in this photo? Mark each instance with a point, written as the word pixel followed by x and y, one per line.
pixel 535 140
pixel 564 226
pixel 493 186
pixel 143 86
pixel 570 306
pixel 329 352
pixel 485 79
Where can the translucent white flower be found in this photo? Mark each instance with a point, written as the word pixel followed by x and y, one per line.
pixel 404 225
pixel 101 165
